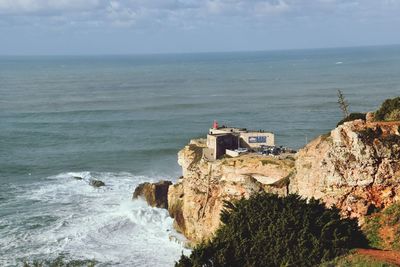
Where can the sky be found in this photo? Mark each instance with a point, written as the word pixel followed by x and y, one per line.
pixel 47 27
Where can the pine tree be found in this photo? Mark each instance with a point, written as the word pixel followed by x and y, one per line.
pixel 268 230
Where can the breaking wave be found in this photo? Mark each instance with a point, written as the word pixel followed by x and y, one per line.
pixel 68 217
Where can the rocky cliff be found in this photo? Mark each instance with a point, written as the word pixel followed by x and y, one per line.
pixel 196 200
pixel 155 194
pixel 355 167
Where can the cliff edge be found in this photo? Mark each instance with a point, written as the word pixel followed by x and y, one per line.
pixel 196 200
pixel 355 167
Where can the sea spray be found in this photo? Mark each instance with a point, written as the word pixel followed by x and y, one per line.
pixel 69 217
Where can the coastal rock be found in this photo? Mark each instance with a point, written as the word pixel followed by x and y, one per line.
pixel 155 194
pixel 356 167
pixel 196 200
pixel 96 183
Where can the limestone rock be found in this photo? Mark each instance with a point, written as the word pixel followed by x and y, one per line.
pixel 355 168
pixel 175 200
pixel 155 194
pixel 196 200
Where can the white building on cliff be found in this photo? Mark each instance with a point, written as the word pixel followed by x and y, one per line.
pixel 225 140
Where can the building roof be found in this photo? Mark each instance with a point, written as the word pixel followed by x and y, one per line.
pixel 224 130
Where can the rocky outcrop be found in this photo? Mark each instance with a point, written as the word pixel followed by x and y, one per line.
pixel 196 200
pixel 155 194
pixel 96 183
pixel 356 167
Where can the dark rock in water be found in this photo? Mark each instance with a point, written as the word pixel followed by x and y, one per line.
pixel 77 178
pixel 96 183
pixel 156 194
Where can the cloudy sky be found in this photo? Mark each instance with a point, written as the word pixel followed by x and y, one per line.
pixel 165 26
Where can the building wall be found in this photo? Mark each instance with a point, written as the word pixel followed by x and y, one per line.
pixel 219 144
pixel 256 139
pixel 211 141
pixel 208 154
pixel 227 141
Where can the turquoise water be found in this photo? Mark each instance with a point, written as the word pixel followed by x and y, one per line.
pixel 122 119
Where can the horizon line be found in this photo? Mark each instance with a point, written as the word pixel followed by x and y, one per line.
pixel 199 52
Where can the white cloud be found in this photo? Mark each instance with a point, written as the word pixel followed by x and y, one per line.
pixel 188 12
pixel 19 7
pixel 267 8
pixel 120 15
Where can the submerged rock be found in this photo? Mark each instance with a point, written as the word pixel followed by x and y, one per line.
pixel 77 177
pixel 96 183
pixel 155 194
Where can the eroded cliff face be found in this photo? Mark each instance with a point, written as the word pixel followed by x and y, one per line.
pixel 356 167
pixel 196 200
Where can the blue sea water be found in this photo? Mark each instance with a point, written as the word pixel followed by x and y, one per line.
pixel 122 119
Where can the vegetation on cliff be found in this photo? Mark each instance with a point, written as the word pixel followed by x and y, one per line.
pixel 354 259
pixel 268 230
pixel 389 110
pixel 353 117
pixel 383 228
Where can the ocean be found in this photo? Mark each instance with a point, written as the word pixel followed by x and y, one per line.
pixel 122 119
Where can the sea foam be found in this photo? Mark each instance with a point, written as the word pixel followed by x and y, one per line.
pixel 77 221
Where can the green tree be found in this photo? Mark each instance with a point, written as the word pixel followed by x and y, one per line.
pixel 389 110
pixel 268 230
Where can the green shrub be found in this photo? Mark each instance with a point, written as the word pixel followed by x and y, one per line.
pixel 382 228
pixel 393 214
pixel 394 115
pixel 356 260
pixel 352 117
pixel 371 229
pixel 389 111
pixel 268 230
